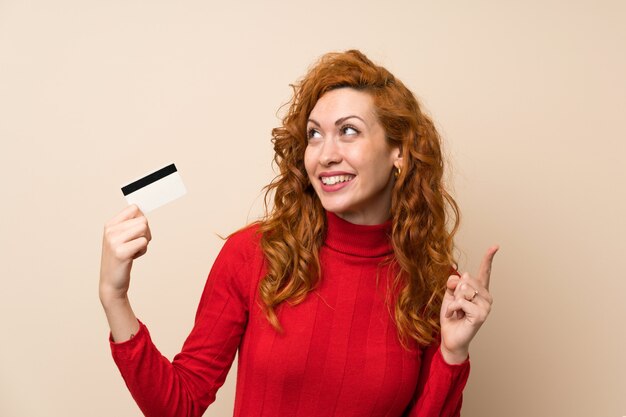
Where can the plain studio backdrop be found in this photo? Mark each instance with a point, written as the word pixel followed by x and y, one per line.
pixel 530 98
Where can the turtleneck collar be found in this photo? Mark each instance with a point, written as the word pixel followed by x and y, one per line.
pixel 369 241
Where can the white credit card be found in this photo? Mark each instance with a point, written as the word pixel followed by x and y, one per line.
pixel 155 189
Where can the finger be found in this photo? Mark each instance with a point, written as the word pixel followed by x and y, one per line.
pixel 125 224
pixel 474 312
pixel 480 312
pixel 483 305
pixel 140 253
pixel 145 228
pixel 131 250
pixel 469 293
pixel 453 281
pixel 132 231
pixel 459 306
pixel 484 273
pixel 474 284
pixel 129 212
pixel 133 224
pixel 140 229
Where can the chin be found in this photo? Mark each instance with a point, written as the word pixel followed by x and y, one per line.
pixel 336 208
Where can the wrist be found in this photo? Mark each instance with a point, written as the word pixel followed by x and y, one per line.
pixel 111 299
pixel 454 357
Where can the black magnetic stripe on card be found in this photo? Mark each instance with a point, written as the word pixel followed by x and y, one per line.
pixel 149 179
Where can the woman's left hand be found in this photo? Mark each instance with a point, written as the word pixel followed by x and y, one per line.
pixel 466 305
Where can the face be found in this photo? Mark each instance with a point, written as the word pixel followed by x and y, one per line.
pixel 348 160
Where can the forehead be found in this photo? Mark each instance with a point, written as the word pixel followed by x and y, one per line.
pixel 344 102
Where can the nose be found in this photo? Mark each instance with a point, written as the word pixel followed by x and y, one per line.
pixel 330 153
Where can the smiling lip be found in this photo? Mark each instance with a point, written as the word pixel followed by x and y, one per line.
pixel 341 179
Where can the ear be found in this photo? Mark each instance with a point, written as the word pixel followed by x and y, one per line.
pixel 397 157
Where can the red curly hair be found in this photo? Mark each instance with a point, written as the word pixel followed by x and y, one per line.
pixel 424 216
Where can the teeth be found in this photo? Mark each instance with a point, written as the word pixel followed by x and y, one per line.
pixel 336 179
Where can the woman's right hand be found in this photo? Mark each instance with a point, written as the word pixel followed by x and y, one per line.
pixel 125 238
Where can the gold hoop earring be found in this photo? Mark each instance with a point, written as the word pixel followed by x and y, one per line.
pixel 397 172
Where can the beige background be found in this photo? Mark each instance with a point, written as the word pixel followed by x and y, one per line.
pixel 531 100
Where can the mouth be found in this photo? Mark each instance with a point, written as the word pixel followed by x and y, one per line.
pixel 336 179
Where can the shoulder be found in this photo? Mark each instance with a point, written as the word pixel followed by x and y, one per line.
pixel 247 233
pixel 238 266
pixel 243 245
pixel 248 238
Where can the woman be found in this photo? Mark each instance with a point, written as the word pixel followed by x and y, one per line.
pixel 342 301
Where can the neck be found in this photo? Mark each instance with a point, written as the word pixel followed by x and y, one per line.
pixel 358 239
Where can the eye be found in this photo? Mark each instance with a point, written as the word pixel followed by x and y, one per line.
pixel 313 133
pixel 349 130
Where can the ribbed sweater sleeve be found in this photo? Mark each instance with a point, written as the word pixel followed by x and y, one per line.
pixel 440 386
pixel 188 384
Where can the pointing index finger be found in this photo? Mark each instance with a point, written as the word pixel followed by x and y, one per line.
pixel 484 274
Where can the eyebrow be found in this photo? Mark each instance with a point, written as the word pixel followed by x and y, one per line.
pixel 339 121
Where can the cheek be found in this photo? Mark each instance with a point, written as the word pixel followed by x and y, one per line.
pixel 309 163
pixel 379 167
pixel 368 159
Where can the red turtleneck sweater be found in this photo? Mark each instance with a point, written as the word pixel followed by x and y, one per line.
pixel 338 355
